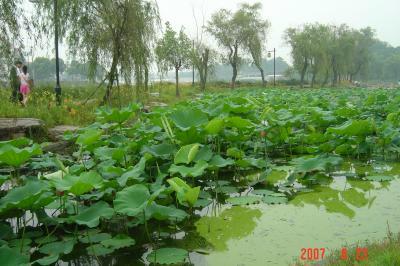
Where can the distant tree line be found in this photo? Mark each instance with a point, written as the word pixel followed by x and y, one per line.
pixel 43 69
pixel 331 54
pixel 125 40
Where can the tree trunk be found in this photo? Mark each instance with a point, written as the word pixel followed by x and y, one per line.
pixel 262 75
pixel 177 93
pixel 146 78
pixel 303 72
pixel 111 79
pixel 234 75
pixel 205 58
pixel 314 75
pixel 325 79
pixel 234 62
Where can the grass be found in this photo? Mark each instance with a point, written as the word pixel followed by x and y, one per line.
pixel 385 252
pixel 81 101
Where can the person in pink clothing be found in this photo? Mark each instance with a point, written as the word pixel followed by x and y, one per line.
pixel 24 89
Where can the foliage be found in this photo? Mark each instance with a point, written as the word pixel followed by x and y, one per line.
pixel 106 33
pixel 173 52
pixel 135 172
pixel 336 51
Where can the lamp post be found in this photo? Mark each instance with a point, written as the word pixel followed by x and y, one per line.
pixel 57 89
pixel 269 55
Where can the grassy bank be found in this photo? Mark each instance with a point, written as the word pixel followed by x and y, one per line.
pixel 80 102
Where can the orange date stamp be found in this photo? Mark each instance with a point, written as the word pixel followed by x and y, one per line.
pixel 316 254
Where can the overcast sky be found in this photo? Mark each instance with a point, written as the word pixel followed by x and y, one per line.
pixel 382 15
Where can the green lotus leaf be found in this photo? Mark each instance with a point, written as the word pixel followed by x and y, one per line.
pixel 79 185
pixel 132 201
pixel 23 197
pixel 48 260
pixel 46 239
pixel 204 154
pixel 98 250
pixel 219 162
pixel 379 178
pixel 271 199
pixel 134 174
pixel 184 192
pixel 93 236
pixel 215 126
pixel 119 241
pixel 57 175
pixel 161 150
pixel 168 256
pixel 91 215
pixel 262 192
pixel 3 179
pixel 235 153
pixel 12 257
pixel 115 115
pixel 319 163
pixel 19 143
pixel 354 128
pixel 60 247
pixel 6 231
pixel 195 171
pixel 251 162
pixel 14 156
pixel 244 200
pixel 186 118
pixel 89 137
pixel 239 122
pixel 186 154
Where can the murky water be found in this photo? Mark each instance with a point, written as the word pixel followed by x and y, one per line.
pixel 346 211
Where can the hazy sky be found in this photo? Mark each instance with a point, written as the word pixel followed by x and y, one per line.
pixel 382 15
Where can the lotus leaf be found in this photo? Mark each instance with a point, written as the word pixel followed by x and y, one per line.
pixel 14 156
pixel 89 137
pixel 132 201
pixel 168 256
pixel 79 185
pixel 186 118
pixel 195 171
pixel 186 154
pixel 183 191
pixel 91 215
pixel 119 241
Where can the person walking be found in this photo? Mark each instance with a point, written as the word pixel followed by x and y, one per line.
pixel 15 81
pixel 24 89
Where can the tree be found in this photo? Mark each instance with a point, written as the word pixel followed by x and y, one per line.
pixel 362 43
pixel 227 29
pixel 255 33
pixel 173 51
pixel 81 70
pixel 45 69
pixel 10 11
pixel 300 42
pixel 319 54
pixel 204 59
pixel 113 34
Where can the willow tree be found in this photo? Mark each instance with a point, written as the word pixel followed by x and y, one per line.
pixel 173 51
pixel 10 11
pixel 254 30
pixel 115 34
pixel 224 26
pixel 203 59
pixel 300 43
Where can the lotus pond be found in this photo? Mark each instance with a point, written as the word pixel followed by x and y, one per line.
pixel 245 178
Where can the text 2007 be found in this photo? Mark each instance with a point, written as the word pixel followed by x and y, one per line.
pixel 312 253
